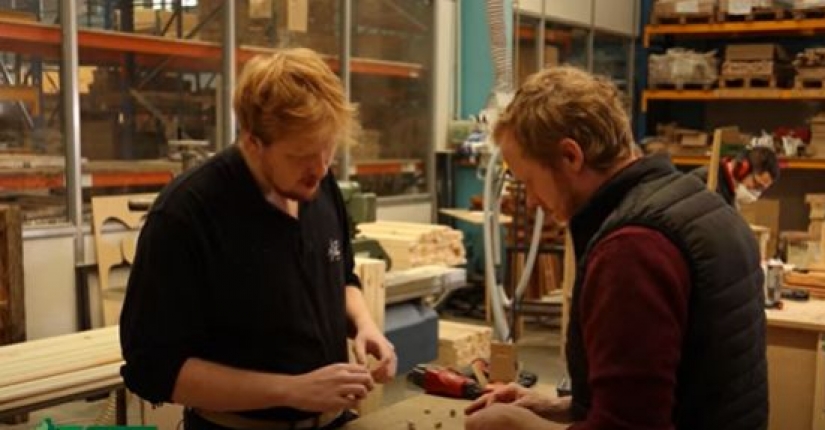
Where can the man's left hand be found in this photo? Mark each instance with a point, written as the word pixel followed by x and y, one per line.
pixel 371 341
pixel 503 416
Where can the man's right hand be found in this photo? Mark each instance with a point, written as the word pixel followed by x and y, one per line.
pixel 555 409
pixel 329 389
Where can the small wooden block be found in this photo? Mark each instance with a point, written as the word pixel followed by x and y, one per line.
pixel 503 363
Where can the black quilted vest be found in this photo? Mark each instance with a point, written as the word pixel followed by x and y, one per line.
pixel 722 377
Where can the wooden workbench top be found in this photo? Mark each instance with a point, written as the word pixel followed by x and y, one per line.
pixel 808 315
pixel 424 411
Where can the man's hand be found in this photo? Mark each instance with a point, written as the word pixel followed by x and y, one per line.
pixel 500 416
pixel 551 408
pixel 370 340
pixel 329 389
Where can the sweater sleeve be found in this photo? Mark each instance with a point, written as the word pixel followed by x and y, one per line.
pixel 634 307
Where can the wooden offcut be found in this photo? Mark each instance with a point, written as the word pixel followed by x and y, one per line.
pixel 459 344
pixel 416 244
pixel 371 272
pixel 12 303
pixel 110 255
pixel 503 362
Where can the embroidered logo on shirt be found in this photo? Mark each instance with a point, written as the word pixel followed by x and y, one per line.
pixel 334 250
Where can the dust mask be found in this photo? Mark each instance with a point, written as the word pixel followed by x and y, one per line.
pixel 746 196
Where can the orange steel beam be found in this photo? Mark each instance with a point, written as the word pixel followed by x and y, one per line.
pixel 28 95
pixel 804 26
pixel 123 179
pixel 785 163
pixel 107 47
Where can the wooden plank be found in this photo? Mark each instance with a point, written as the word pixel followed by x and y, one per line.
pixel 819 390
pixel 715 155
pixel 808 315
pixel 11 276
pixel 109 255
pixel 423 411
pixel 371 272
pixel 791 377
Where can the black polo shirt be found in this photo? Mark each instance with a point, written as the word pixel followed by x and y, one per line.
pixel 221 274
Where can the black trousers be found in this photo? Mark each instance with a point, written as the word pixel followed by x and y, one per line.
pixel 193 421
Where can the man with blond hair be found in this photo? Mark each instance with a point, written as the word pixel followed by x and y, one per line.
pixel 667 326
pixel 242 294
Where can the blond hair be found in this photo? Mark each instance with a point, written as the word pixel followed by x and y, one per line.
pixel 291 92
pixel 565 102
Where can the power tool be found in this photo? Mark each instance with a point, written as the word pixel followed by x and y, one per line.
pixel 440 381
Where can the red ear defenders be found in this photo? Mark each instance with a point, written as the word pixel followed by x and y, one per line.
pixel 741 166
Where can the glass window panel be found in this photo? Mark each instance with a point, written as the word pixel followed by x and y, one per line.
pixel 177 19
pixel 149 105
pixel 392 61
pixel 611 54
pixel 31 119
pixel 566 45
pixel 527 46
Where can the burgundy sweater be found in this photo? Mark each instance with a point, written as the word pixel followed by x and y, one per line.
pixel 634 307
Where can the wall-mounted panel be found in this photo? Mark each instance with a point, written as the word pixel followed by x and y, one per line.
pixel 617 16
pixel 571 11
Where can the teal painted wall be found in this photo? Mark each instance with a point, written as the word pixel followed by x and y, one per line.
pixel 476 60
pixel 476 84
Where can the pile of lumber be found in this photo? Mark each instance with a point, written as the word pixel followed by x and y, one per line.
pixel 817 144
pixel 459 344
pixel 766 61
pixel 814 282
pixel 59 367
pixel 671 133
pixel 810 63
pixel 680 11
pixel 416 244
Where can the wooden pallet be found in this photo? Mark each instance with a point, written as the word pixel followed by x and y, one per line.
pixel 801 83
pixel 684 18
pixel 682 85
pixel 757 14
pixel 756 81
pixel 809 13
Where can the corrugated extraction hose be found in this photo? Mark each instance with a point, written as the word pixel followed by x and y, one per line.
pixel 494 182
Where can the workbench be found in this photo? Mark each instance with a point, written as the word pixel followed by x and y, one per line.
pixel 796 365
pixel 426 412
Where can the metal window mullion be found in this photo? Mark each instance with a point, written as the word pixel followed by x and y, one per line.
pixel 228 57
pixel 344 61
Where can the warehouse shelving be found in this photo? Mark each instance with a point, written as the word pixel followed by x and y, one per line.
pixel 102 47
pixel 766 94
pixel 788 27
pixel 785 163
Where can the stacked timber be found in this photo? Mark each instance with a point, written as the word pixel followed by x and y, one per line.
pixel 683 11
pixel 459 344
pixel 416 244
pixel 814 282
pixel 755 65
pixel 808 9
pixel 810 68
pixel 750 10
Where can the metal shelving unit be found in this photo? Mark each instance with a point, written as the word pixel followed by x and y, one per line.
pixel 135 108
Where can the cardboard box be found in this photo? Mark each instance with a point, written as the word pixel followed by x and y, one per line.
pixel 744 7
pixel 684 7
pixel 764 212
pixel 754 52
